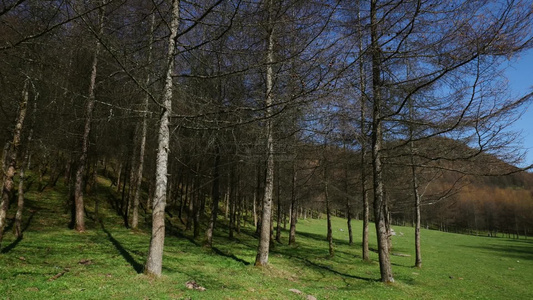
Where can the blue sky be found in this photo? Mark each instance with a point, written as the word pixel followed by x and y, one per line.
pixel 520 74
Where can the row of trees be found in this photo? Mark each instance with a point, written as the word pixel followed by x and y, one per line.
pixel 332 105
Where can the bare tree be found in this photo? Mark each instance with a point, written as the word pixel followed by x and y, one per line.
pixel 11 159
pixel 264 240
pixel 24 165
pixel 144 130
pixel 380 204
pixel 89 108
pixel 154 262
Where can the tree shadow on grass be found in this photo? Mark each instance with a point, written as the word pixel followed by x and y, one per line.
pixel 17 241
pixel 517 251
pixel 303 254
pixel 323 238
pixel 174 230
pixel 125 254
pixel 320 267
pixel 232 256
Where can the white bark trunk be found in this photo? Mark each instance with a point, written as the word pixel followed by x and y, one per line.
pixel 264 240
pixel 11 160
pixel 154 263
pixel 20 200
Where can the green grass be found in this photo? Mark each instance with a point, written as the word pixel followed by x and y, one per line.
pixel 454 266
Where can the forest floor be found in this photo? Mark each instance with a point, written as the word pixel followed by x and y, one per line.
pixel 52 261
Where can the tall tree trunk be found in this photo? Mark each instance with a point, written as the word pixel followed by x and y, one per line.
pixel 254 208
pixel 226 200
pixel 11 161
pixel 279 210
pixel 257 196
pixel 264 240
pixel 215 194
pixel 26 160
pixel 388 223
pixel 190 202
pixel 124 203
pixel 364 191
pixel 154 263
pixel 294 208
pixel 93 190
pixel 231 202
pixel 89 107
pixel 183 199
pixel 328 212
pixel 285 219
pixel 20 205
pixel 132 180
pixel 418 256
pixel 377 140
pixel 119 175
pixel 197 202
pixel 347 199
pixel 238 207
pixel 416 194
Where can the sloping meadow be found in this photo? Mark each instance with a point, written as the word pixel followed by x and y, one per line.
pixel 106 262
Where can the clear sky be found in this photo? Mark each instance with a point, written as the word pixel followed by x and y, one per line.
pixel 520 75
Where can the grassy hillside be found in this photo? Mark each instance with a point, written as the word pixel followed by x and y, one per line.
pixel 53 262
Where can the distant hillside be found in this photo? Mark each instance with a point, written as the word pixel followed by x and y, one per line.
pixel 464 189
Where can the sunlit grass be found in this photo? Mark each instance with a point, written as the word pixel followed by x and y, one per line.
pixel 54 262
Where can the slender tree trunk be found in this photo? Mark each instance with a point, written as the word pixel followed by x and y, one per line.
pixel 20 200
pixel 11 160
pixel 238 208
pixel 257 196
pixel 231 201
pixel 328 212
pixel 366 206
pixel 285 219
pixel 347 199
pixel 132 180
pixel 139 171
pixel 183 199
pixel 416 194
pixel 264 241
pixel 388 223
pixel 227 200
pixel 364 191
pixel 254 208
pixel 294 208
pixel 119 175
pixel 93 190
pixel 124 204
pixel 349 223
pixel 154 263
pixel 3 162
pixel 278 217
pixel 190 203
pixel 197 202
pixel 89 107
pixel 377 140
pixel 215 193
pixel 20 205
